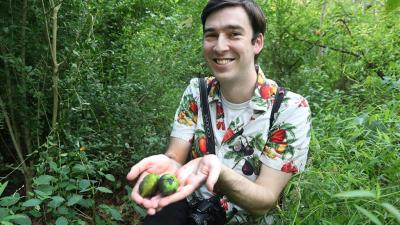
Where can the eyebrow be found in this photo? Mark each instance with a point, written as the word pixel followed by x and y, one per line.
pixel 228 27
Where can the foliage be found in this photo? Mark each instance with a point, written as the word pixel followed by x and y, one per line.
pixel 122 68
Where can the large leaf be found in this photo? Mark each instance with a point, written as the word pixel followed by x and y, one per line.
pixel 56 201
pixel 395 212
pixel 74 199
pixel 61 221
pixel 104 190
pixel 9 200
pixel 44 179
pixel 84 184
pixel 355 194
pixel 369 214
pixel 4 212
pixel 32 202
pixel 110 177
pixel 20 219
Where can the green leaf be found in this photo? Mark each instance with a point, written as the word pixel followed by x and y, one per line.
pixel 45 190
pixel 141 211
pixel 2 187
pixel 369 214
pixel 32 202
pixel 84 184
pixel 4 212
pixel 6 223
pixel 87 203
pixel 61 221
pixel 44 179
pixel 78 168
pixel 63 210
pixel 74 199
pixel 21 219
pixel 110 177
pixel 9 200
pixel 104 190
pixel 395 212
pixel 42 194
pixel 56 201
pixel 115 214
pixel 391 5
pixel 355 194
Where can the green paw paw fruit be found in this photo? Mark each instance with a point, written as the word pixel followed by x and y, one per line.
pixel 168 184
pixel 148 187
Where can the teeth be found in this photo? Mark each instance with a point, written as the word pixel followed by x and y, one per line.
pixel 223 61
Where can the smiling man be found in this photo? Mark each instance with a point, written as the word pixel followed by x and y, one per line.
pixel 253 160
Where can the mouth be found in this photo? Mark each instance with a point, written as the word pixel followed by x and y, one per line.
pixel 223 61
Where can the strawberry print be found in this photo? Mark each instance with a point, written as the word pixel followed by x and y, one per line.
pixel 220 116
pixel 203 145
pixel 267 91
pixel 289 167
pixel 193 107
pixel 278 136
pixel 303 103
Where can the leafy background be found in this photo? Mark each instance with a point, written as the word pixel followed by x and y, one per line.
pixel 116 70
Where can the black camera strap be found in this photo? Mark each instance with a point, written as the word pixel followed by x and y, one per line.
pixel 206 116
pixel 280 94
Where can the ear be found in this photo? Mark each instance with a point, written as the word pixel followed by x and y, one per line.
pixel 259 43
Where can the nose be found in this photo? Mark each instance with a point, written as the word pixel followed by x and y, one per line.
pixel 221 45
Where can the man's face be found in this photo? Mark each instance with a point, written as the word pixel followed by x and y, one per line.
pixel 227 45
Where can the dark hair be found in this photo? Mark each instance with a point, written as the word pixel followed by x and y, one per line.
pixel 253 11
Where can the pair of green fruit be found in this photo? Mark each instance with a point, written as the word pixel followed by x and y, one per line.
pixel 167 184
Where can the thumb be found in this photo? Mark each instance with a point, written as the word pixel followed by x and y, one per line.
pixel 213 177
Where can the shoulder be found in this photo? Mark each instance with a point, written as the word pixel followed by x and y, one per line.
pixel 294 100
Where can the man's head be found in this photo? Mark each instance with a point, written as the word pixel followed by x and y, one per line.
pixel 232 38
pixel 253 11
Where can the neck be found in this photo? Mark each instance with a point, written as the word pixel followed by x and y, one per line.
pixel 241 90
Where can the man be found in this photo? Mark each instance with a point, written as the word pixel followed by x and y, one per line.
pixel 252 162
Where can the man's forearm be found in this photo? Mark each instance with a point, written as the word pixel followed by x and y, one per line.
pixel 178 150
pixel 251 196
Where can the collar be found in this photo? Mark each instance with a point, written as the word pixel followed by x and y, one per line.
pixel 264 91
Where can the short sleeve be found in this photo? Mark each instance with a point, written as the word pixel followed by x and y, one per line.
pixel 288 139
pixel 186 115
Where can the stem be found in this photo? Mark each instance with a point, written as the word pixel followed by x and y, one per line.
pixel 17 146
pixel 53 49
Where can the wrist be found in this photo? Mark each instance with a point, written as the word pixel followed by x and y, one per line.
pixel 173 157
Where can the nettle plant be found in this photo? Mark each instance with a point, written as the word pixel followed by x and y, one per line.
pixel 64 193
pixel 10 209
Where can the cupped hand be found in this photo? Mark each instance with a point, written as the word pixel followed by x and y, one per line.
pixel 158 164
pixel 193 175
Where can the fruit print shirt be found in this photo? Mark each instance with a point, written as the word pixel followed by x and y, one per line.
pixel 247 141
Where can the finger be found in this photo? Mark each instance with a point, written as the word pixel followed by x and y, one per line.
pixel 135 192
pixel 213 177
pixel 177 196
pixel 137 169
pixel 151 202
pixel 151 211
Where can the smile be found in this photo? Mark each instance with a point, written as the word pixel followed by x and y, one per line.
pixel 223 61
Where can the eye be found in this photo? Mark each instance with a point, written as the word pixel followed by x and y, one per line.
pixel 235 34
pixel 210 35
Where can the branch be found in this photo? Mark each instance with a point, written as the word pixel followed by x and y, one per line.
pixel 14 140
pixel 370 65
pixel 326 46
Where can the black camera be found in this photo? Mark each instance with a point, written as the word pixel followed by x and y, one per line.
pixel 207 212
